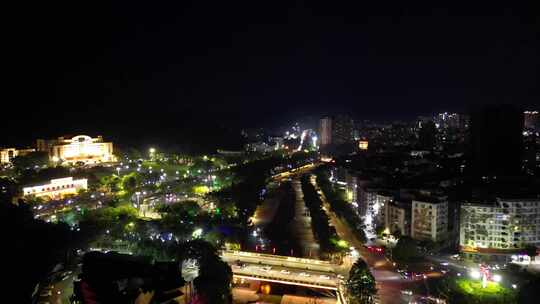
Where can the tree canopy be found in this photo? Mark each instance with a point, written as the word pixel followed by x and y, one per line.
pixel 361 284
pixel 30 161
pixel 406 250
pixel 215 276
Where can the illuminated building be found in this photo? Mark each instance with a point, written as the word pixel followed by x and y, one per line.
pixel 450 120
pixel 79 149
pixel 503 225
pixel 531 120
pixel 397 217
pixel 429 219
pixel 6 154
pixel 336 130
pixel 260 147
pixel 378 209
pixel 57 188
pixel 342 130
pixel 363 144
pixel 325 131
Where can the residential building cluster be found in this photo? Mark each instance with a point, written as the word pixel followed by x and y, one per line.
pixel 467 183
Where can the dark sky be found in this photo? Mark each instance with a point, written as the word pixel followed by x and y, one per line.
pixel 153 67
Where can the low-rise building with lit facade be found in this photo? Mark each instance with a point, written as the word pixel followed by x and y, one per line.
pixel 79 149
pixel 429 219
pixel 6 154
pixel 501 227
pixel 398 217
pixel 57 188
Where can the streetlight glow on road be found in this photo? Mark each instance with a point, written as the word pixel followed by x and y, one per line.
pixel 475 274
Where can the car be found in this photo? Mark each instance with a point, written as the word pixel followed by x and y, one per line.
pixel 303 274
pixel 406 292
pixel 322 276
pixel 45 293
pixel 284 271
pixel 266 268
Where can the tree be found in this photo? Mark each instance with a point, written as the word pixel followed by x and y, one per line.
pixel 53 242
pixel 110 182
pixel 529 292
pixel 379 230
pixel 405 250
pixel 30 161
pixel 213 284
pixel 530 250
pixel 361 284
pixel 130 183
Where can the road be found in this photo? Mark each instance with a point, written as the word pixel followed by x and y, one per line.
pixel 310 278
pixel 277 260
pixel 390 284
pixel 61 287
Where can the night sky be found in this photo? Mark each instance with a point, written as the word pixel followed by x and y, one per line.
pixel 149 68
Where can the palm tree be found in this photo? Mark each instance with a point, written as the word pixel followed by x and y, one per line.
pixel 361 284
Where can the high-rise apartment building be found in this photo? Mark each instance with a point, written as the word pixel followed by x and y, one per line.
pixel 343 130
pixel 325 131
pixel 496 140
pixel 531 120
pixel 336 130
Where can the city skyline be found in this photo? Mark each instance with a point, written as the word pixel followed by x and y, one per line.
pixel 262 152
pixel 257 64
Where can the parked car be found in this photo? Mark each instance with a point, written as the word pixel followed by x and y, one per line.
pixel 322 276
pixel 407 292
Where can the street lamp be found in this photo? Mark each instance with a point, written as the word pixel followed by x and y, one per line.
pixel 138 194
pixel 118 170
pixel 152 153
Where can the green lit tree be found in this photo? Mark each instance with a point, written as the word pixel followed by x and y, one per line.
pixel 361 284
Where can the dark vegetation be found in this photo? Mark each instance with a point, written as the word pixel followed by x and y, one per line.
pixel 322 231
